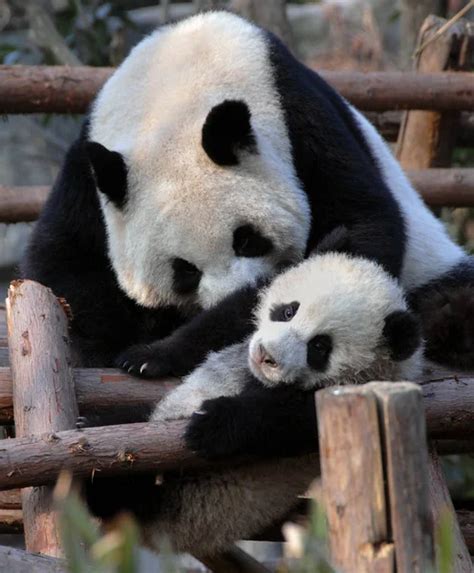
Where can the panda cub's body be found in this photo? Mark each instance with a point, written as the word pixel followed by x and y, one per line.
pixel 333 319
pixel 211 159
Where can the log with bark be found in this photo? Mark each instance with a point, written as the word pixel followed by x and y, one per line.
pixel 62 89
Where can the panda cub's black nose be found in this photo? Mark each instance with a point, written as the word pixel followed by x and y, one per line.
pixel 266 357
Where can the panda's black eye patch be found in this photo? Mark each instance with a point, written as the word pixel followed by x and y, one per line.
pixel 284 312
pixel 186 276
pixel 248 242
pixel 318 351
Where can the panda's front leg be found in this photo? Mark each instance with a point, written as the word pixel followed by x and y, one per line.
pixel 228 323
pixel 261 422
pixel 223 373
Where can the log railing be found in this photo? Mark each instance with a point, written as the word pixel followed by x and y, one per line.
pixel 63 89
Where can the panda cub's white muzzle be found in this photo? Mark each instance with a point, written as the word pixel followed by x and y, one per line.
pixel 277 361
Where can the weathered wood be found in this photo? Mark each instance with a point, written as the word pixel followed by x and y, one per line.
pixel 438 187
pixel 427 138
pixel 441 505
pixel 43 391
pixel 98 391
pixel 10 499
pixel 448 400
pixel 62 89
pixel 412 15
pixel 388 124
pixel 17 561
pixel 466 522
pixel 19 204
pixel 110 450
pixel 402 421
pixel 353 480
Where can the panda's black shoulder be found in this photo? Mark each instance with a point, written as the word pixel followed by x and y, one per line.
pixel 307 99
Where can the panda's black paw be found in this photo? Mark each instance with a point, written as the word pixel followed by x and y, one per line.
pixel 146 361
pixel 213 432
pixel 448 326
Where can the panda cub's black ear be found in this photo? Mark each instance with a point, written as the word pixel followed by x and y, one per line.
pixel 226 131
pixel 402 334
pixel 110 172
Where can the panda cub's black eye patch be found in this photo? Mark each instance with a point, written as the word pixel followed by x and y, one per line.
pixel 319 351
pixel 186 276
pixel 284 312
pixel 248 242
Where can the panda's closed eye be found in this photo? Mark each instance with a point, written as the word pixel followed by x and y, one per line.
pixel 319 351
pixel 186 276
pixel 248 242
pixel 284 312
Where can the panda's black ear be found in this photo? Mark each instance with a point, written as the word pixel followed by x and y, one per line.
pixel 337 241
pixel 226 131
pixel 402 334
pixel 110 172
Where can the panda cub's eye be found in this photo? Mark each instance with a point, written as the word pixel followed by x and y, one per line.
pixel 284 312
pixel 248 242
pixel 186 276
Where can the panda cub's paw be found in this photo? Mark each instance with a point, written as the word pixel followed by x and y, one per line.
pixel 146 361
pixel 213 432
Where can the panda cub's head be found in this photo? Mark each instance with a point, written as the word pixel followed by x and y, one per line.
pixel 334 319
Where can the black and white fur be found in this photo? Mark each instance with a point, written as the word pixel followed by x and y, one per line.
pixel 332 319
pixel 211 159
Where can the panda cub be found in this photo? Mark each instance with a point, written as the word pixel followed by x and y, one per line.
pixel 333 319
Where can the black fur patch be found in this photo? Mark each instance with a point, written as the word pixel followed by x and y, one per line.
pixel 402 334
pixel 259 422
pixel 227 130
pixel 248 242
pixel 445 307
pixel 335 166
pixel 110 172
pixel 186 276
pixel 319 350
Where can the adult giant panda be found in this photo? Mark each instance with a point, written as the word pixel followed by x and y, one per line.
pixel 332 319
pixel 217 159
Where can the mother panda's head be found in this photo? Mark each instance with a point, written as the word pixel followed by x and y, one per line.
pixel 193 166
pixel 334 319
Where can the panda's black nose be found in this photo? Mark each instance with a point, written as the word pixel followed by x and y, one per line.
pixel 266 357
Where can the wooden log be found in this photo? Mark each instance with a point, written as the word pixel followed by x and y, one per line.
pixel 402 422
pixel 438 187
pixel 442 506
pixel 353 480
pixel 18 561
pixel 427 138
pixel 448 400
pixel 37 459
pixel 62 89
pixel 19 204
pixel 98 391
pixel 10 499
pixel 388 124
pixel 43 391
pixel 444 187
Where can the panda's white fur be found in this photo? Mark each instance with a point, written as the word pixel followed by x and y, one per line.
pixel 349 298
pixel 180 203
